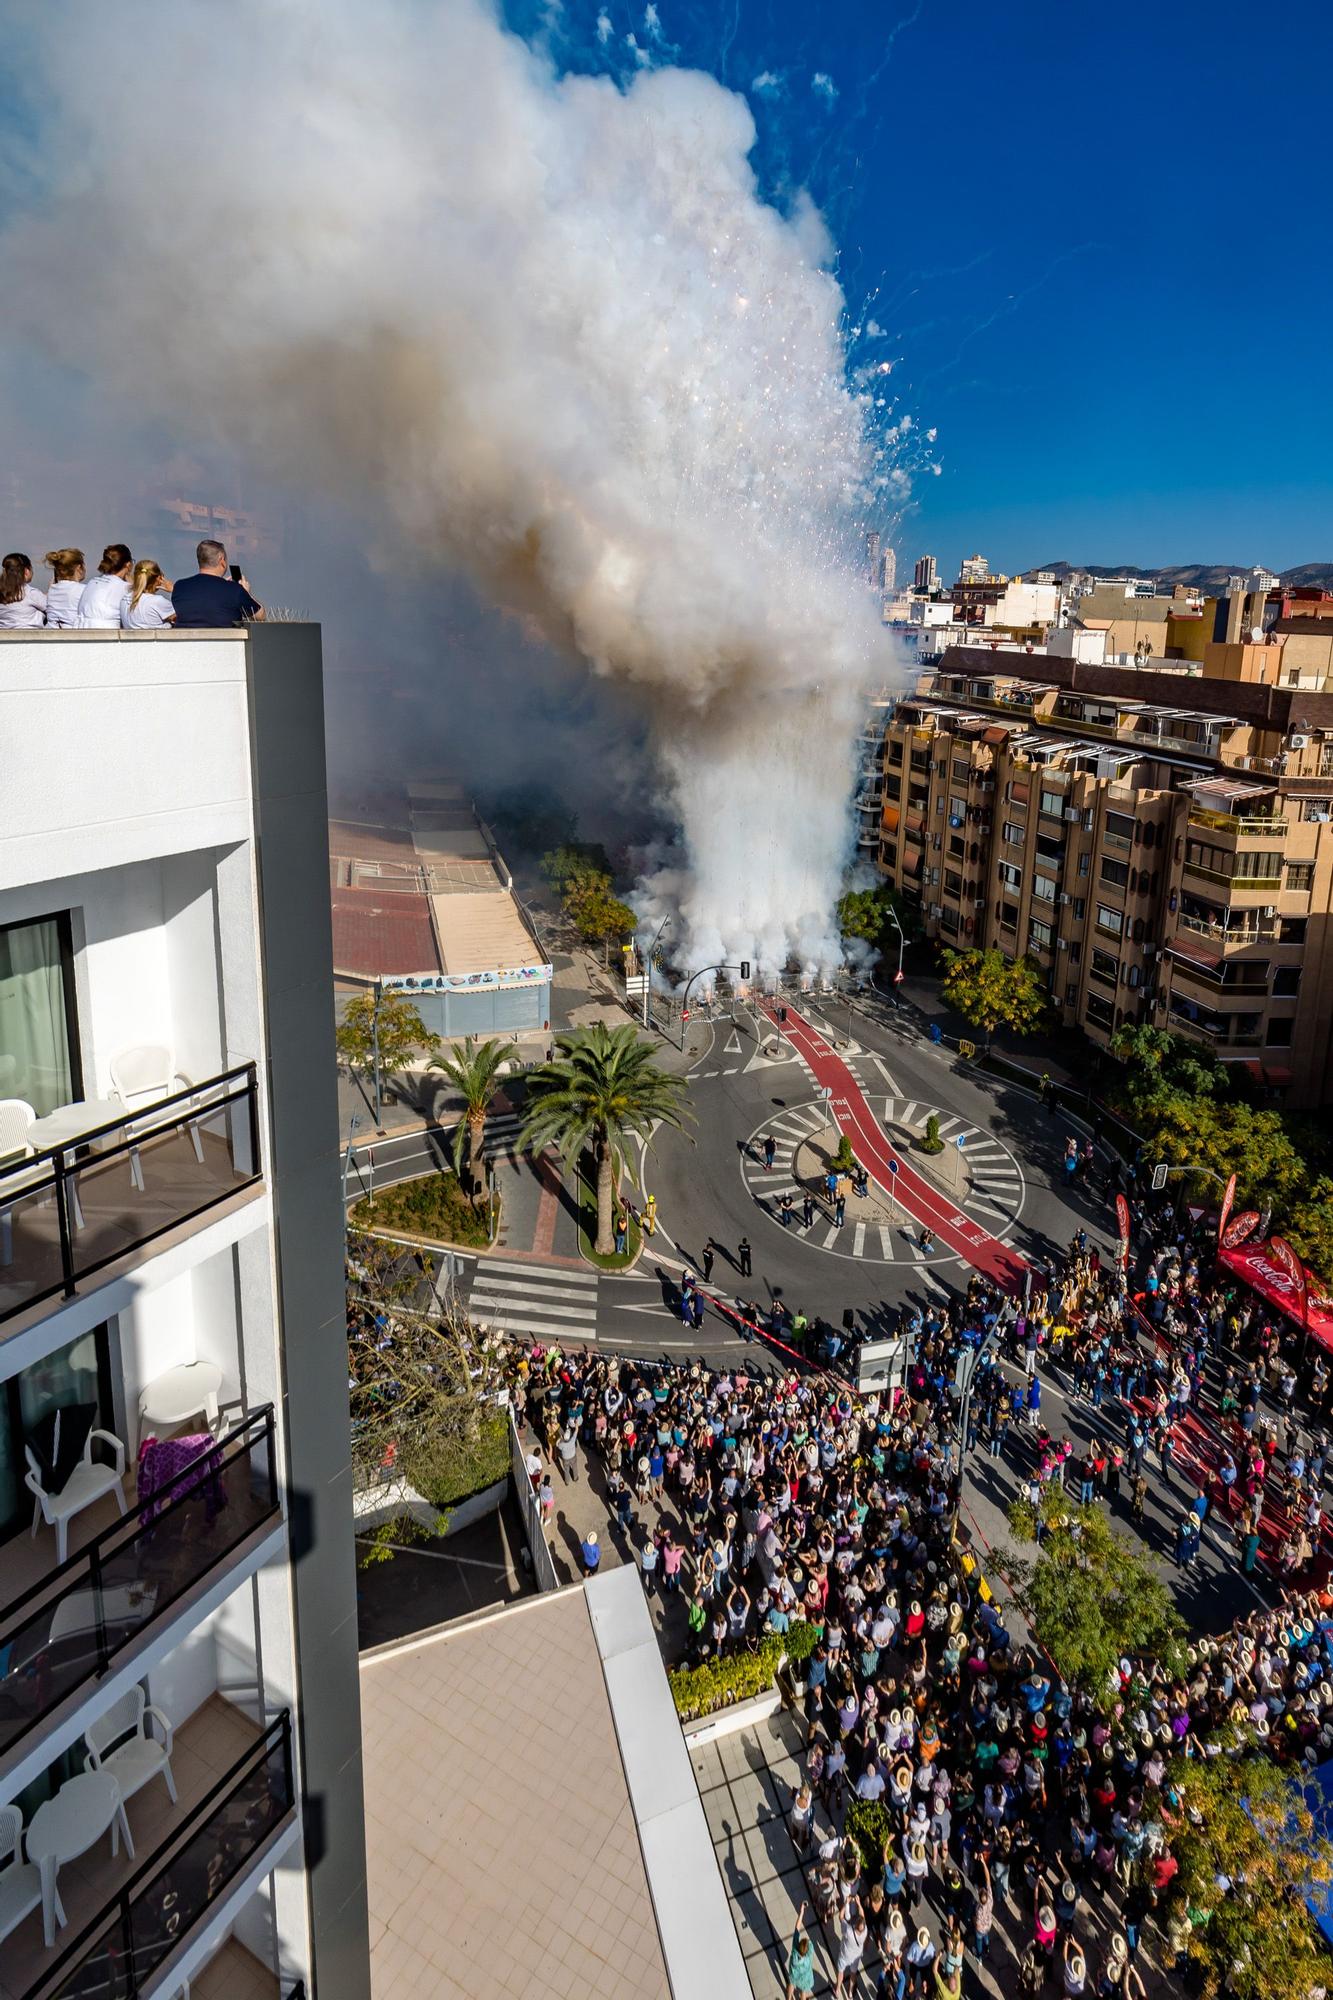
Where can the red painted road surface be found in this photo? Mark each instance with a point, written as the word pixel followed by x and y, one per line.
pixel 924 1203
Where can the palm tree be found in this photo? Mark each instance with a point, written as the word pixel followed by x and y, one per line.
pixel 475 1074
pixel 603 1090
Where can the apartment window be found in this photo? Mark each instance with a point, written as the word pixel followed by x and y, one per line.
pixel 1013 832
pixel 889 853
pixel 1278 1035
pixel 1043 889
pixel 949 920
pixel 1011 877
pixel 1100 1012
pixel 1114 872
pixel 1075 951
pixel 1110 920
pixel 1300 874
pixel 1040 935
pixel 1262 866
pixel 1200 854
pixel 1104 967
pixel 893 788
pixel 1320 810
pixel 895 753
pixel 1053 803
pixel 957 807
pixel 957 846
pixel 1080 908
pixel 39 1060
pixel 1085 864
pixel 1121 825
pixel 1050 847
pixel 1291 930
pixel 74 1378
pixel 953 884
pixel 962 771
pixel 1286 982
pixel 1008 916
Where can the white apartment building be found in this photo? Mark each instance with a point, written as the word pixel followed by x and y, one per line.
pixel 178 1657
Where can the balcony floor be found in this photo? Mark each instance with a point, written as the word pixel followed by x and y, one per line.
pixel 26 1559
pixel 234 1974
pixel 117 1215
pixel 206 1746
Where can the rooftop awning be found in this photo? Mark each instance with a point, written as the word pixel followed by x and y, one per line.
pixel 892 815
pixel 1272 1074
pixel 1196 948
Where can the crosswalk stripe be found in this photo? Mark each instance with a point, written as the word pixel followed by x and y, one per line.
pixel 571 1276
pixel 986 1207
pixel 907 1111
pixel 947 1124
pixel 556 1329
pixel 859 1239
pixel 829 1239
pixel 516 1287
pixel 502 1303
pixel 988 1150
pixel 889 1104
pixel 885 1242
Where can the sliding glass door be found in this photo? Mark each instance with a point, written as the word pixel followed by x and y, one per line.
pixel 38 1040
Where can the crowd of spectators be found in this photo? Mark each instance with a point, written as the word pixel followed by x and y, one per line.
pixel 124 594
pixel 769 1501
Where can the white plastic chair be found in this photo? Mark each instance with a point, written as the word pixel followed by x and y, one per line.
pixel 20 1880
pixel 141 1077
pixel 84 1488
pixel 17 1119
pixel 135 1762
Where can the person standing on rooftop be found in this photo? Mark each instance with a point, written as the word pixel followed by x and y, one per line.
pixel 102 597
pixel 67 580
pixel 212 598
pixel 21 607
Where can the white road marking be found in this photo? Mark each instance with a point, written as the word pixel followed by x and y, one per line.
pixel 831 1238
pixel 859 1240
pixel 947 1124
pixel 732 1047
pixel 908 1109
pixel 484 1286
pixel 511 1264
pixel 882 1067
pixel 886 1243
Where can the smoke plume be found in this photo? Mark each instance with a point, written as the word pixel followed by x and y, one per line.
pixel 541 327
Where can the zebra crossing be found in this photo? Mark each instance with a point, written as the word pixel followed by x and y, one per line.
pixel 502 1132
pixel 995 1182
pixel 549 1304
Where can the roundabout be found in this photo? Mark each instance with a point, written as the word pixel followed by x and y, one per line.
pixel 980 1175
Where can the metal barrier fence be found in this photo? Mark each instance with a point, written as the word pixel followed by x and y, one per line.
pixel 543 1568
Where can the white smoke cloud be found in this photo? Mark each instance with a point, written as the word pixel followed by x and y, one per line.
pixel 543 328
pixel 604 28
pixel 823 86
pixel 768 83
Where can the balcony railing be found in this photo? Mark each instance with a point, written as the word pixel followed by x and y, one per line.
pixel 69 1629
pixel 1233 882
pixel 1224 933
pixel 69 1212
pixel 119 1954
pixel 1233 823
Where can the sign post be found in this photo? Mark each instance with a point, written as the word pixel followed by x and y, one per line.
pixel 893 1182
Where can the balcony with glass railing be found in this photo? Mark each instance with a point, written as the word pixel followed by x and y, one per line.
pixel 73 1211
pixel 63 1631
pixel 1251 826
pixel 129 1917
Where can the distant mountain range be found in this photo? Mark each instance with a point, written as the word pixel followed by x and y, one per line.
pixel 1210 578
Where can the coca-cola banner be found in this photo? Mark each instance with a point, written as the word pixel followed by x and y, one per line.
pixel 1270 1277
pixel 1228 1201
pixel 1240 1228
pixel 1123 1218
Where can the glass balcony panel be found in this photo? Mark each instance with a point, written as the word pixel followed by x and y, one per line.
pixel 69 1212
pixel 68 1629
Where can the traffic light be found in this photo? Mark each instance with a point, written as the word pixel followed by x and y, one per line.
pixel 745 968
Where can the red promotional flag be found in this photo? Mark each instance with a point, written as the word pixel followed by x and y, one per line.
pixel 1282 1253
pixel 1122 1217
pixel 1240 1228
pixel 1228 1203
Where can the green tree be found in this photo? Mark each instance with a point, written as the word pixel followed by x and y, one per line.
pixel 603 1090
pixel 1226 1139
pixel 866 914
pixel 1088 1593
pixel 1159 1065
pixel 475 1073
pixel 598 914
pixel 402 1033
pixel 931 1141
pixel 1247 1849
pixel 991 991
pixel 574 863
pixel 1309 1228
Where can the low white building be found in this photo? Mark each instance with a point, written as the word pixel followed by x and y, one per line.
pixel 171 1268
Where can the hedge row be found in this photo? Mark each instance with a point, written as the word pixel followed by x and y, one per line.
pixel 698 1691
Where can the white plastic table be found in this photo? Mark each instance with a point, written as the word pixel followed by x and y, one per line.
pixel 67 1826
pixel 69 1122
pixel 176 1395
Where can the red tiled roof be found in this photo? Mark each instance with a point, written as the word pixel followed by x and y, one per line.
pixel 377 932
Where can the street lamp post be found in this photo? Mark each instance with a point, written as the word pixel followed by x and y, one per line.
pixel 685 997
pixel 973 1357
pixel 375 1055
pixel 893 919
pixel 353 1127
pixel 648 971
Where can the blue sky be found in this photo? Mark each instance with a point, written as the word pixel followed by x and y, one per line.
pixel 1096 240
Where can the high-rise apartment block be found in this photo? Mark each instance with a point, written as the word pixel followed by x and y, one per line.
pixel 178 1652
pixel 973 569
pixel 1157 838
pixel 926 574
pixel 888 577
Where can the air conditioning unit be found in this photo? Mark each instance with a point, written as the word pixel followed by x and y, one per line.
pixel 1063 898
pixel 1269 912
pixel 1073 815
pixel 980 903
pixel 935 910
pixel 1298 742
pixel 1062 944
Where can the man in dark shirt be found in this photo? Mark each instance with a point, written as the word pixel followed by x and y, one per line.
pixel 213 597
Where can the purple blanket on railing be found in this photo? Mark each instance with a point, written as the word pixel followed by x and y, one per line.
pixel 163 1473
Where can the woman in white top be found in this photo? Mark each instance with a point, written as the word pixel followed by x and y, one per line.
pixel 148 606
pixel 68 577
pixel 21 607
pixel 103 595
